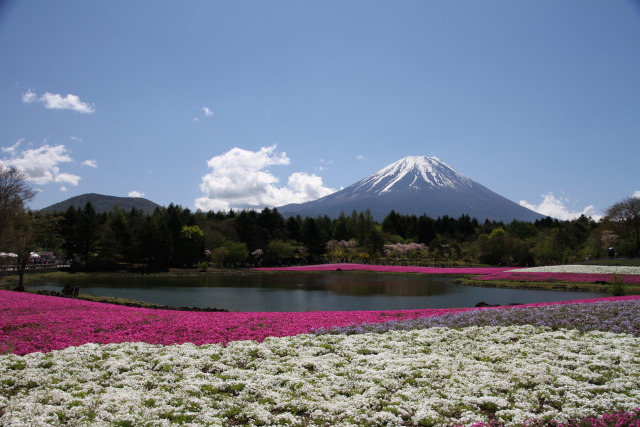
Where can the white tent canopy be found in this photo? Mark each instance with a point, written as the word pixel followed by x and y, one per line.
pixel 8 255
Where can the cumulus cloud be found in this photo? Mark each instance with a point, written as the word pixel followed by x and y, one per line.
pixel 636 194
pixel 56 101
pixel 239 179
pixel 91 163
pixel 40 165
pixel 135 193
pixel 206 112
pixel 556 207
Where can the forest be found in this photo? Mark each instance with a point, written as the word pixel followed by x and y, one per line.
pixel 176 237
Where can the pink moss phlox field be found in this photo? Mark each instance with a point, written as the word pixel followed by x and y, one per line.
pixel 37 323
pixel 30 323
pixel 515 276
pixel 390 269
pixel 618 419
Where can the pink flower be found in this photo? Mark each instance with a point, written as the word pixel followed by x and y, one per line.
pixel 30 323
pixel 391 269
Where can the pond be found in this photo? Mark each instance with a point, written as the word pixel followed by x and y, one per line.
pixel 331 291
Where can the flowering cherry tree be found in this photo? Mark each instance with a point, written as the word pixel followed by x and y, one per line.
pixel 404 252
pixel 341 249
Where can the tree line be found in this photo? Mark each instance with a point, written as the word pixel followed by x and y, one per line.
pixel 175 236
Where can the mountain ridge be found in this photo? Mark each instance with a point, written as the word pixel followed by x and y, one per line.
pixel 416 185
pixel 103 203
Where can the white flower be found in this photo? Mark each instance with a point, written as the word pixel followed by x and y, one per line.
pixel 438 375
pixel 582 269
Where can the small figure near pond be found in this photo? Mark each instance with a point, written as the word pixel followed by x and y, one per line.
pixel 71 291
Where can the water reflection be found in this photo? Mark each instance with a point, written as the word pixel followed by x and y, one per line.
pixel 306 292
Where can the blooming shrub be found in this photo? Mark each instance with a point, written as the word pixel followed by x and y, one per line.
pixel 438 376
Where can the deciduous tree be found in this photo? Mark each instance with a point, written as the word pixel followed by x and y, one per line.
pixel 14 194
pixel 624 217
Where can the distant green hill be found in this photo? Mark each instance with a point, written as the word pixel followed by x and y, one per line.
pixel 103 203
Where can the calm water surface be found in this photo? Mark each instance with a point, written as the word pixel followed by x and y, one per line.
pixel 331 291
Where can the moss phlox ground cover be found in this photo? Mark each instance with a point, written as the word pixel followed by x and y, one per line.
pixel 567 273
pixel 389 269
pixel 30 323
pixel 71 362
pixel 435 376
pixel 619 315
pixel 517 276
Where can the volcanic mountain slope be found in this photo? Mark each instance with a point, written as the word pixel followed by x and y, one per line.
pixel 416 185
pixel 102 203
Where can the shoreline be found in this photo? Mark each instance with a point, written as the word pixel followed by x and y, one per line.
pixel 465 276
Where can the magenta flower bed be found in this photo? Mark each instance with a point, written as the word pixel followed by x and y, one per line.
pixel 30 323
pixel 618 419
pixel 390 269
pixel 516 276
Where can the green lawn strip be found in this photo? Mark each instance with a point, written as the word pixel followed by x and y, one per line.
pixel 550 285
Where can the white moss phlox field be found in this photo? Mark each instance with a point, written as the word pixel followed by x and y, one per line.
pixel 436 376
pixel 582 269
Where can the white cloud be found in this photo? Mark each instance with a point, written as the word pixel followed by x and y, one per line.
pixel 206 112
pixel 135 193
pixel 58 102
pixel 557 208
pixel 636 194
pixel 29 97
pixel 360 157
pixel 306 187
pixel 91 163
pixel 239 180
pixel 40 165
pixel 14 147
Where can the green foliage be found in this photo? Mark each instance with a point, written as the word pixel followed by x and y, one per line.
pixel 624 218
pixel 277 251
pixel 176 237
pixel 617 287
pixel 190 245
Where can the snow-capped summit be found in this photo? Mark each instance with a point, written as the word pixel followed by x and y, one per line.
pixel 414 172
pixel 416 185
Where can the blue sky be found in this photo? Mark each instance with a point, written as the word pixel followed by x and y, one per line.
pixel 217 105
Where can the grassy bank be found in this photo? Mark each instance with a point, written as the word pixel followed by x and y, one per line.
pixel 630 289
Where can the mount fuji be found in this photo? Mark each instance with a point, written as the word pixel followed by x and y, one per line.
pixel 416 185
